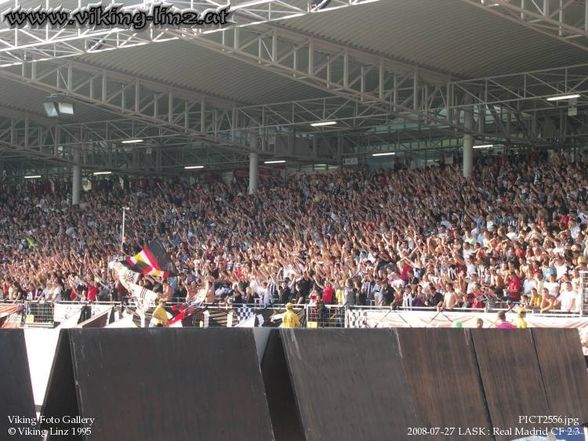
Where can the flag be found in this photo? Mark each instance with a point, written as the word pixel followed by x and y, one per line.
pixel 247 323
pixel 178 315
pixel 10 315
pixel 153 260
pixel 126 276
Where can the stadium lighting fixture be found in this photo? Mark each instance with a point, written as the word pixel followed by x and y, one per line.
pixel 384 154
pixel 56 106
pixel 193 167
pixel 484 146
pixel 563 97
pixel 275 162
pixel 32 177
pixel 102 173
pixel 323 123
pixel 131 141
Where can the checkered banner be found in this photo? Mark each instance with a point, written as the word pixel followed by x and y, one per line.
pixel 388 318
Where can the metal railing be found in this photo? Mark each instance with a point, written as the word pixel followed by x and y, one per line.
pixel 325 316
pixel 49 314
pixel 496 308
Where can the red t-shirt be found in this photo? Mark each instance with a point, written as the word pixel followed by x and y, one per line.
pixel 514 288
pixel 405 273
pixel 92 293
pixel 477 301
pixel 328 295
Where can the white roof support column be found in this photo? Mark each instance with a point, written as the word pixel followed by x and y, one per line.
pixel 468 138
pixel 253 172
pixel 76 181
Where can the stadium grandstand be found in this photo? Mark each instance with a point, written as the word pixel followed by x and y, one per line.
pixel 294 164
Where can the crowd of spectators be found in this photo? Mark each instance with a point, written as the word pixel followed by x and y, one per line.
pixel 515 232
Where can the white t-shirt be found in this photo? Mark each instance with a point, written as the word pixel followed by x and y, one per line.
pixel 467 253
pixel 379 298
pixel 528 285
pixel 561 270
pixel 398 283
pixel 56 294
pixel 574 231
pixel 552 287
pixel 471 269
pixel 566 298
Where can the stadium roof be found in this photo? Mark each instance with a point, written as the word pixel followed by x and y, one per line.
pixel 258 84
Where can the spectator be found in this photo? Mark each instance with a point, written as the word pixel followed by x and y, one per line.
pixel 159 317
pixel 290 319
pixel 519 226
pixel 502 323
pixel 569 299
pixel 521 315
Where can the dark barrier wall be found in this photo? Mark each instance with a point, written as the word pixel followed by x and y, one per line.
pixel 443 372
pixel 317 385
pixel 377 384
pixel 167 384
pixel 511 378
pixel 563 372
pixel 280 396
pixel 60 396
pixel 16 399
pixel 350 384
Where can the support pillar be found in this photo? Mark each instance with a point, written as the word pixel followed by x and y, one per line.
pixel 253 172
pixel 76 181
pixel 468 138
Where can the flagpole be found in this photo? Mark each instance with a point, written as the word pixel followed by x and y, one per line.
pixel 122 238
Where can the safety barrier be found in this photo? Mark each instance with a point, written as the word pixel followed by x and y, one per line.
pixel 49 314
pixel 11 314
pixel 325 316
pixel 378 317
pixel 46 314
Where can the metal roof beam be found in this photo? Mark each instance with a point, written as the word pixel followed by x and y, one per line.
pixel 527 91
pixel 101 148
pixel 145 110
pixel 44 43
pixel 396 89
pixel 565 20
pixel 131 98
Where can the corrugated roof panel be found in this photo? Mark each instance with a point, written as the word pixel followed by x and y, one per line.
pixel 187 65
pixel 446 35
